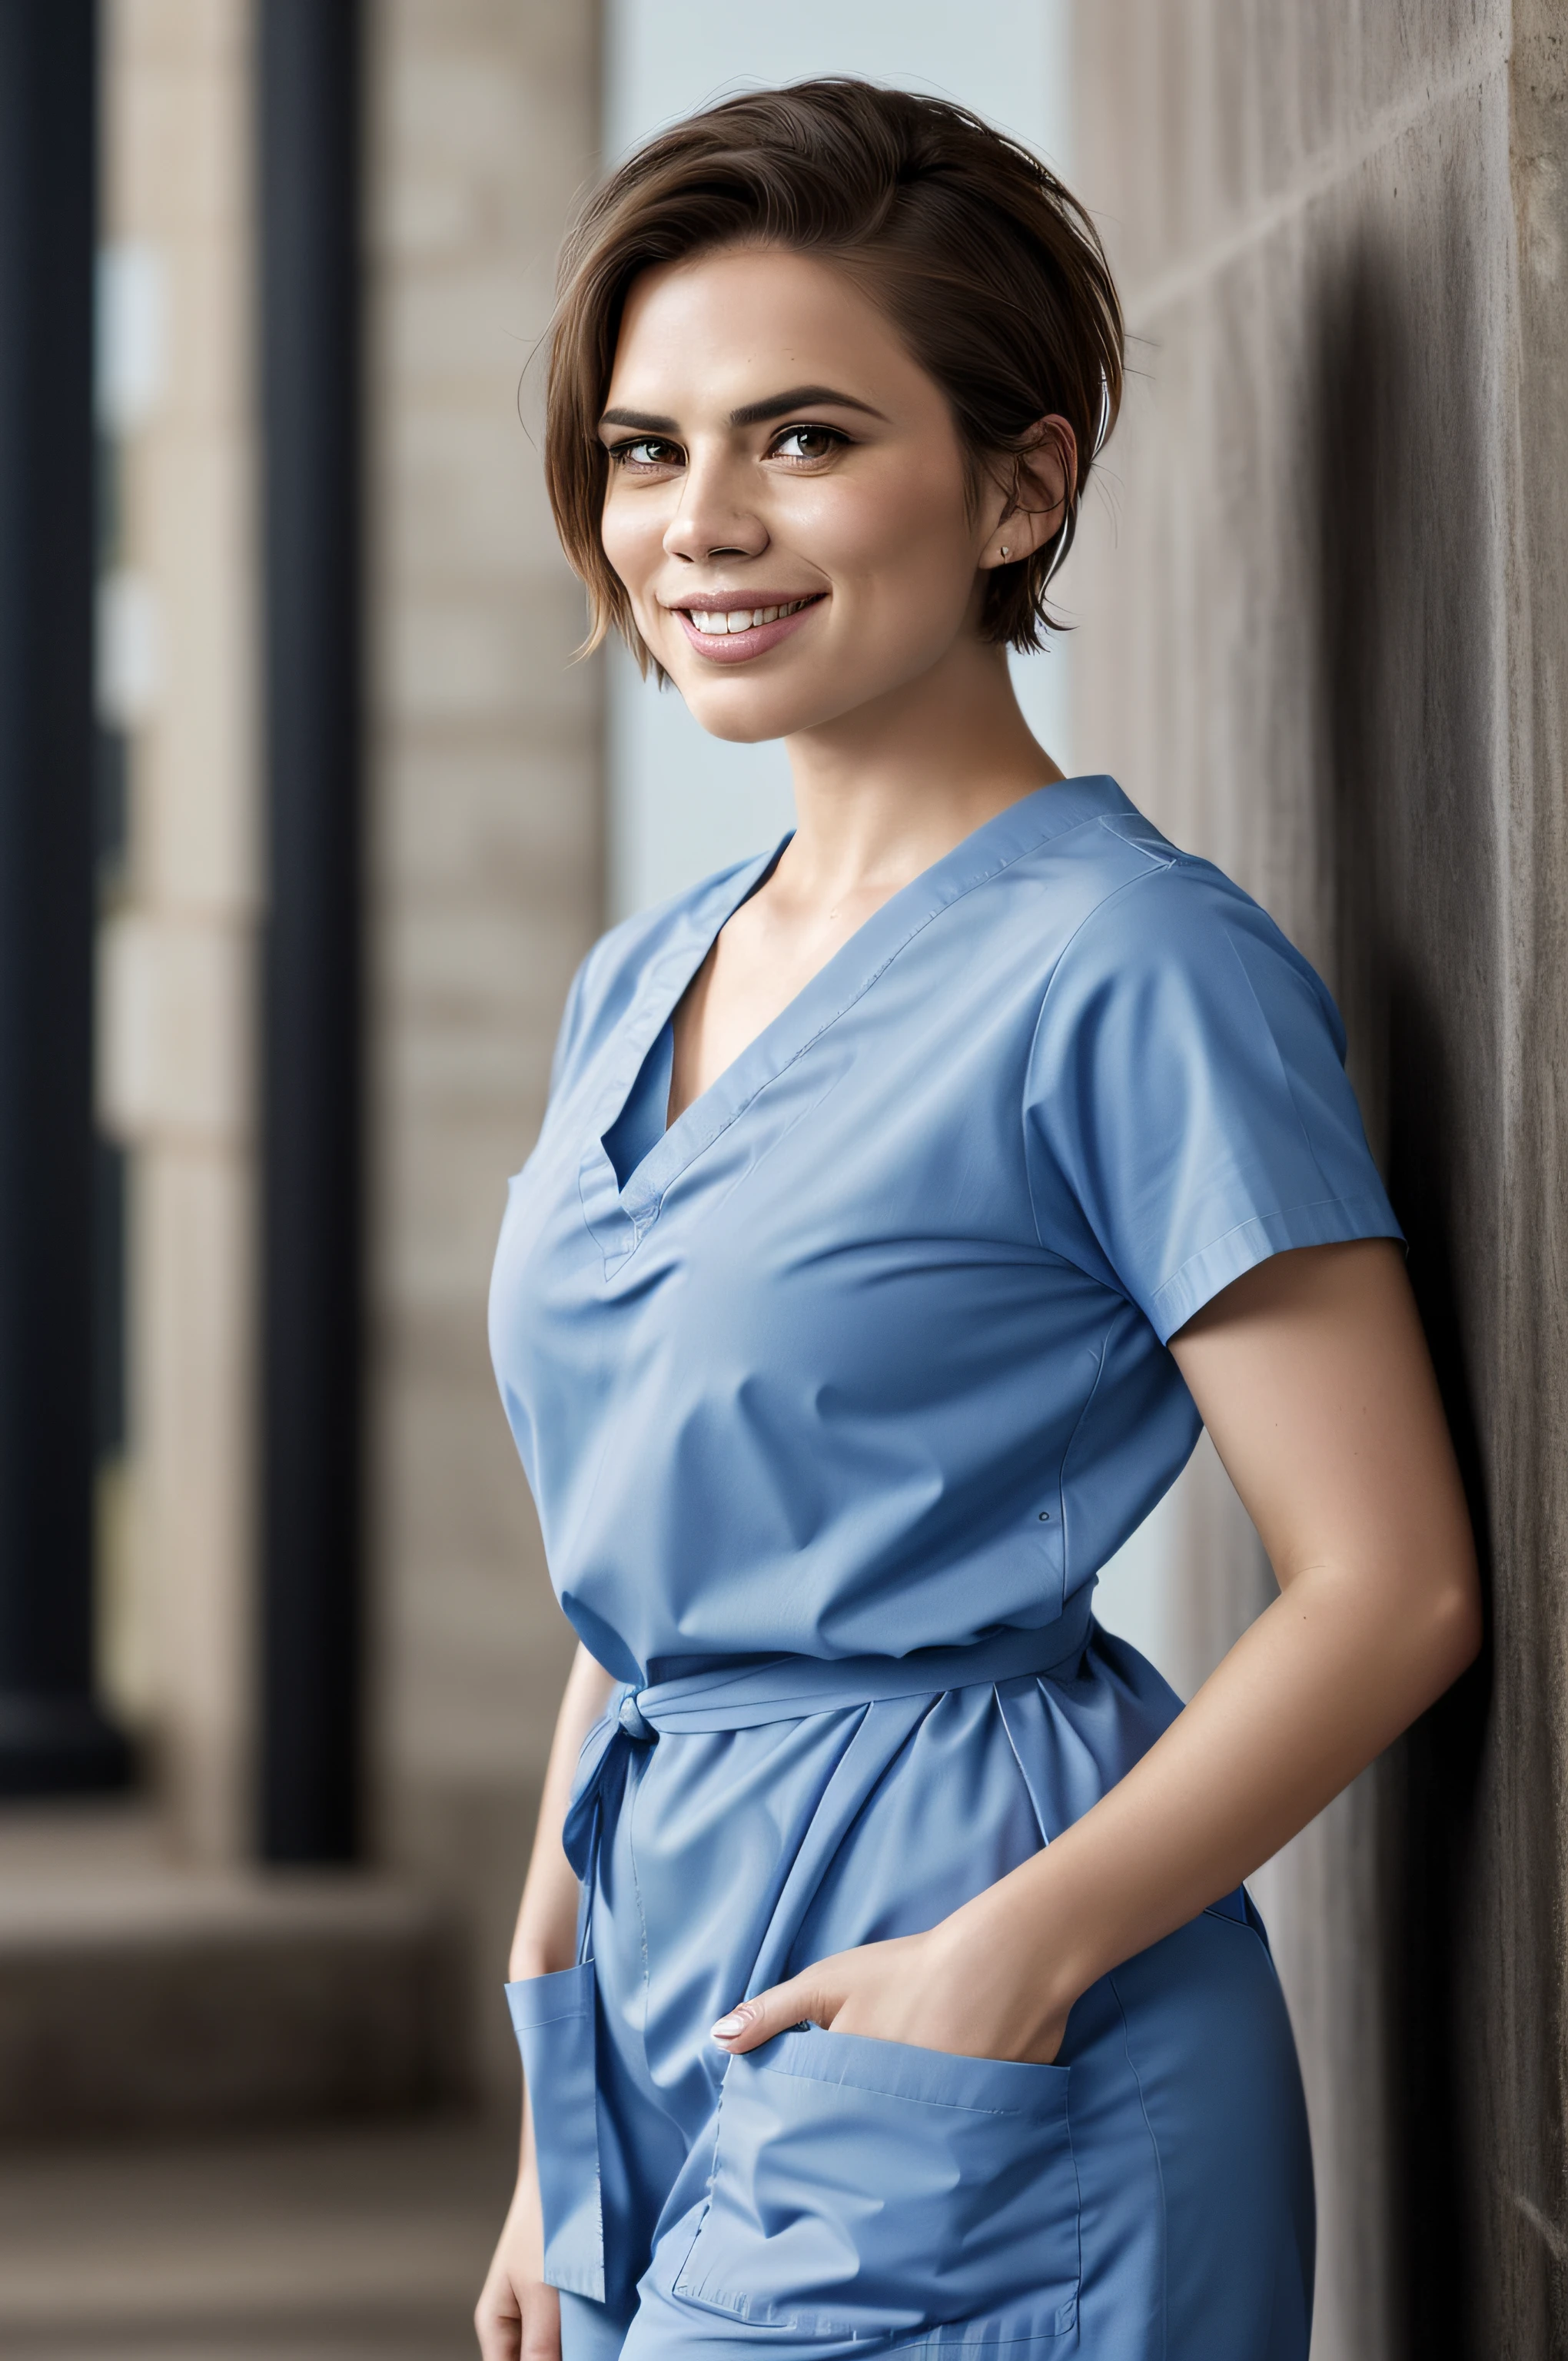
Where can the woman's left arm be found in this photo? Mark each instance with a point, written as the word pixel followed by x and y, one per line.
pixel 1312 1377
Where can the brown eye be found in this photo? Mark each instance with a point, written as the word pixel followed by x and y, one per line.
pixel 808 443
pixel 647 451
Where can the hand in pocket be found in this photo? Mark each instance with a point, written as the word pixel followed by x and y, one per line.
pixel 950 1989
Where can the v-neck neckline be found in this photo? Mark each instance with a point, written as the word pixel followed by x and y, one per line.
pixel 620 1217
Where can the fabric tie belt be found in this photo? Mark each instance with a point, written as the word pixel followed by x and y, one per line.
pixel 786 1688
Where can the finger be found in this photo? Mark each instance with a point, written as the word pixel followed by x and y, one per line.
pixel 751 2022
pixel 498 2326
pixel 541 2324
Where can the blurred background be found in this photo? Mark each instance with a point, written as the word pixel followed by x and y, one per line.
pixel 306 816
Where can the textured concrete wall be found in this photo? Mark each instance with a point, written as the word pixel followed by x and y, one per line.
pixel 485 889
pixel 1325 608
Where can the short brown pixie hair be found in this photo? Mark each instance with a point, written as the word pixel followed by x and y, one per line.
pixel 990 271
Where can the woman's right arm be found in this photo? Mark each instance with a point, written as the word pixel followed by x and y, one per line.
pixel 518 2317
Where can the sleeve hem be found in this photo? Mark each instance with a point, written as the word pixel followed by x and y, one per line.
pixel 1334 1221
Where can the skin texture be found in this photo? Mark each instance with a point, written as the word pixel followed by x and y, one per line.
pixel 1311 1372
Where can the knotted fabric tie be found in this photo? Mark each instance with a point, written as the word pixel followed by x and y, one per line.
pixel 787 1689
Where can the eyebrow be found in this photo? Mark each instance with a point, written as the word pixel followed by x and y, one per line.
pixel 750 413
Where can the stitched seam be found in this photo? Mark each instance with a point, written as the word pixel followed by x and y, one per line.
pixel 1283 1070
pixel 677 2282
pixel 1078 2193
pixel 1067 1454
pixel 652 982
pixel 877 2090
pixel 1156 860
pixel 1255 1222
pixel 941 2337
pixel 1243 1926
pixel 1159 2170
pixel 642 1914
pixel 1128 885
pixel 941 2342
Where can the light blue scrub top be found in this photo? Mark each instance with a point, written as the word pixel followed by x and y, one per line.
pixel 867 1352
pixel 834 1398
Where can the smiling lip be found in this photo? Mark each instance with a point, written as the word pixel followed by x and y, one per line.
pixel 755 639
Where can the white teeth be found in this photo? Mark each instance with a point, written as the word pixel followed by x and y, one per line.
pixel 716 624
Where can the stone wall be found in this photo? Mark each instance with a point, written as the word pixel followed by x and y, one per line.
pixel 485 889
pixel 1324 605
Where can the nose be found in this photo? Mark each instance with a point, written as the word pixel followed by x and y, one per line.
pixel 713 520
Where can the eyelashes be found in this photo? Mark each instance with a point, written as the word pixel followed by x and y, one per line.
pixel 622 454
pixel 634 455
pixel 830 435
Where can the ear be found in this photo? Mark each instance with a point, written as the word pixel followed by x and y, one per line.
pixel 1038 484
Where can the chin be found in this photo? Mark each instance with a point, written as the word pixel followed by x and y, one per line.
pixel 740 729
pixel 745 713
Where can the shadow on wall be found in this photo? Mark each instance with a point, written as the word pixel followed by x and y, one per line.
pixel 1409 485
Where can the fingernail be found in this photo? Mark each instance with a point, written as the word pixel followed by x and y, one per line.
pixel 729 2026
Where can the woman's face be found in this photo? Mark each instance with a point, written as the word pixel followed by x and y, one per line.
pixel 773 446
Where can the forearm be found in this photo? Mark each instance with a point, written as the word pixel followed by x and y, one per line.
pixel 544 1938
pixel 1316 1688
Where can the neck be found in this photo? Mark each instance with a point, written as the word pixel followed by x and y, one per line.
pixel 883 792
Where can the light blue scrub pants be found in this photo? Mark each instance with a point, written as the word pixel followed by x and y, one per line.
pixel 826 2197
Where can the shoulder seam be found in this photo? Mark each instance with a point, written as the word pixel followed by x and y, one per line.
pixel 1155 859
pixel 1127 885
pixel 1158 869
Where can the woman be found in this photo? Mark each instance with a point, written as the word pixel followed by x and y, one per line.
pixel 883 1974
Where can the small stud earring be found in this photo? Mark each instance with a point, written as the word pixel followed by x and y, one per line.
pixel 1004 549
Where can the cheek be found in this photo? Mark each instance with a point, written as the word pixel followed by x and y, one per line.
pixel 633 536
pixel 905 558
pixel 885 525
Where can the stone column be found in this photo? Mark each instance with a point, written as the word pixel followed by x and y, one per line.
pixel 485 821
pixel 177 962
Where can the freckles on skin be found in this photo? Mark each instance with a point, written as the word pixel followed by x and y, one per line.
pixel 871 521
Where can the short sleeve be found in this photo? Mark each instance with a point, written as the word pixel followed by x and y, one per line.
pixel 1187 1112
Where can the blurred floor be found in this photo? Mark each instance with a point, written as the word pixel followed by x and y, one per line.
pixel 365 2245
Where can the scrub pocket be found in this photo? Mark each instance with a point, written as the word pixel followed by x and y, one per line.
pixel 553 2017
pixel 862 2189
